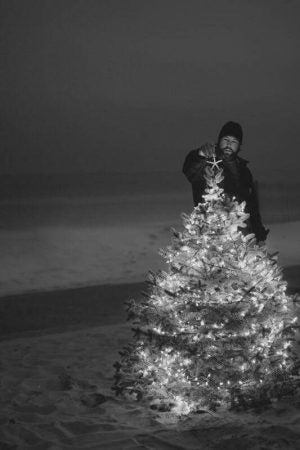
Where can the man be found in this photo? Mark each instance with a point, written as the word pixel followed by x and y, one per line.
pixel 238 180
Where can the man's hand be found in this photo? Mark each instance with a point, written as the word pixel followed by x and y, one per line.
pixel 261 243
pixel 207 150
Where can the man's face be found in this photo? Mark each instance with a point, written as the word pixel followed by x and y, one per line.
pixel 229 146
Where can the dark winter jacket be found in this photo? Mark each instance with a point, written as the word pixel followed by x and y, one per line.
pixel 238 182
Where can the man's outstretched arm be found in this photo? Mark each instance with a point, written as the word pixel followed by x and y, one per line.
pixel 194 164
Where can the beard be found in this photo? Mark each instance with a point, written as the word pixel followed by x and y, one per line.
pixel 228 154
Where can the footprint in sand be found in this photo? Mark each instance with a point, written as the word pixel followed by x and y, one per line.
pixel 93 400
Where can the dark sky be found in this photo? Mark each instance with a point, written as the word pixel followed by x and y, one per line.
pixel 121 85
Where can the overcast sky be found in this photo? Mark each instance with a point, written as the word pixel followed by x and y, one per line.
pixel 121 85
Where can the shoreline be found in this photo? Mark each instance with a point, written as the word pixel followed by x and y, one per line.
pixel 65 309
pixel 61 310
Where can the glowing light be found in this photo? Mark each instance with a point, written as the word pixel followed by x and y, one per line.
pixel 234 263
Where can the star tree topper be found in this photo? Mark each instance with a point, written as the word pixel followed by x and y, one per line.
pixel 214 163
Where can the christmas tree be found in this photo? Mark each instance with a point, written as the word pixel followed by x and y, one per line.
pixel 217 328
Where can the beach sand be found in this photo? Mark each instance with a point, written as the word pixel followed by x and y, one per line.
pixel 63 288
pixel 51 257
pixel 57 371
pixel 56 394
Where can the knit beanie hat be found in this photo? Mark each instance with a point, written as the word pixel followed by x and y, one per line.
pixel 231 129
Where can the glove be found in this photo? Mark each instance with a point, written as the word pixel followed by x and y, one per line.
pixel 263 236
pixel 261 243
pixel 207 150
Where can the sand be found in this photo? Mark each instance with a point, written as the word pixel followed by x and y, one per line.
pixel 63 323
pixel 57 372
pixel 61 256
pixel 55 394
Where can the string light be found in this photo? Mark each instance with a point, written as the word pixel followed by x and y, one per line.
pixel 215 268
